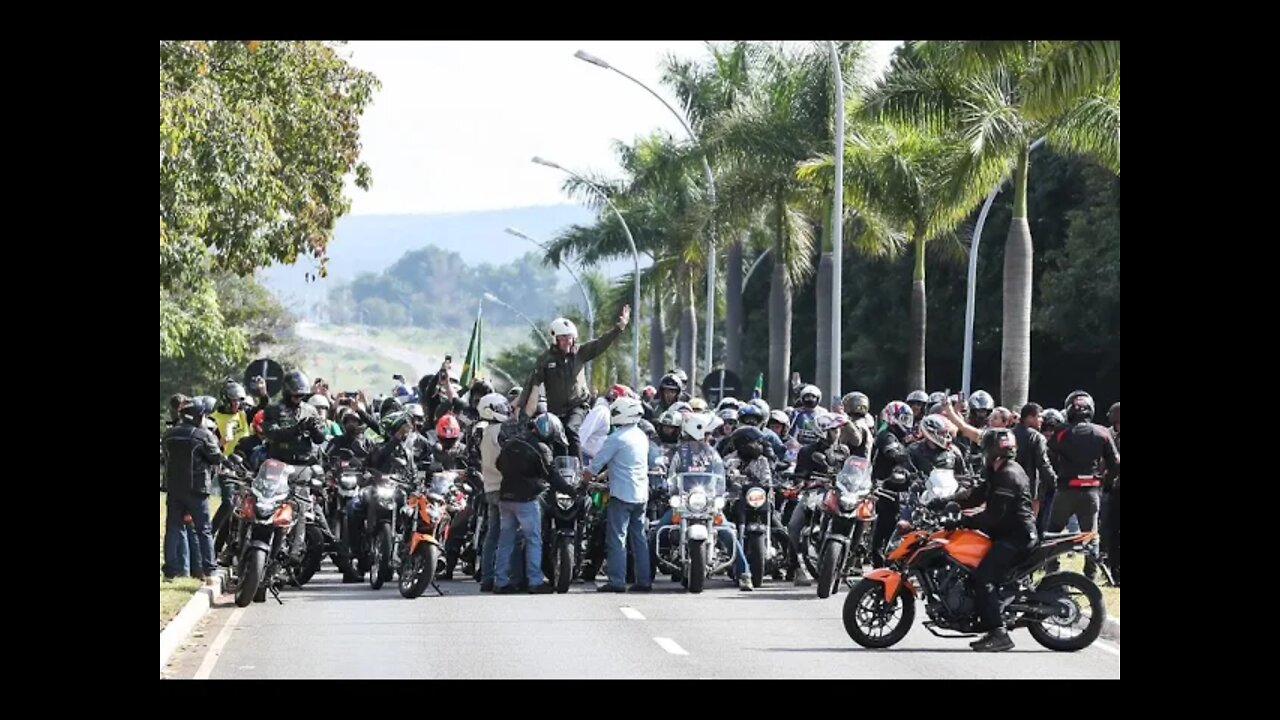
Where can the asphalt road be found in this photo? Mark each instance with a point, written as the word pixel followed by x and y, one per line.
pixel 330 630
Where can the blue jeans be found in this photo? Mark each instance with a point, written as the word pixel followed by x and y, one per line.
pixel 726 538
pixel 626 520
pixel 489 550
pixel 527 517
pixel 178 551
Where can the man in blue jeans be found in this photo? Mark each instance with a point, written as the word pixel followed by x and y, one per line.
pixel 191 454
pixel 626 453
pixel 526 466
pixel 494 410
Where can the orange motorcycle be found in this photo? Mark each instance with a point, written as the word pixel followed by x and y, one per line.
pixel 429 510
pixel 1063 611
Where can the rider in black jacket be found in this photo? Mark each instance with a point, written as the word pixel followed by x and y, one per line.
pixel 1088 462
pixel 892 468
pixel 833 454
pixel 191 455
pixel 1007 520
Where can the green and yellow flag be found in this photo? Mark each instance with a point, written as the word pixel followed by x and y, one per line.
pixel 471 366
pixel 758 391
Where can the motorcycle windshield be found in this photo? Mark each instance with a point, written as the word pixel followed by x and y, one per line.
pixel 855 476
pixel 569 468
pixel 941 485
pixel 712 485
pixel 440 483
pixel 272 480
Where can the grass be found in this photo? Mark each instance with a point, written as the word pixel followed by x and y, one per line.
pixel 174 594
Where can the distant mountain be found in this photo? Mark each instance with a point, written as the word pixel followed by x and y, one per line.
pixel 370 243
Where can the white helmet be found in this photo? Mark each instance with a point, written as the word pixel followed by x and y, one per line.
pixel 760 403
pixel 695 425
pixel 626 411
pixel 811 390
pixel 319 401
pixel 715 424
pixel 563 326
pixel 494 407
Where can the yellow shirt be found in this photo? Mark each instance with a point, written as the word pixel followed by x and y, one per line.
pixel 231 428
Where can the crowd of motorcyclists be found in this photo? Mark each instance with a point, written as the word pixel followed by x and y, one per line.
pixel 547 466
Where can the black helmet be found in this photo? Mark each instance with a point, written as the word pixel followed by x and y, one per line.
pixel 480 388
pixel 670 382
pixel 748 442
pixel 1078 407
pixel 1052 418
pixel 295 384
pixel 856 403
pixel 999 443
pixel 195 411
pixel 458 405
pixel 390 405
pixel 549 429
pixel 232 391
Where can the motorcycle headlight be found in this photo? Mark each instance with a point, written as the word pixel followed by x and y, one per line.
pixel 697 501
pixel 676 501
pixel 847 501
pixel 719 503
pixel 564 501
pixel 755 497
pixel 386 493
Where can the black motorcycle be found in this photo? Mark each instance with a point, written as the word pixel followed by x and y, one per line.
pixel 764 539
pixel 848 517
pixel 564 546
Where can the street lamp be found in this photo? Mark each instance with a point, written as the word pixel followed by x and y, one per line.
pixel 635 257
pixel 586 297
pixel 837 225
pixel 537 331
pixel 967 374
pixel 711 196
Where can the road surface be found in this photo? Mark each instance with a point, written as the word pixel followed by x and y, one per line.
pixel 331 630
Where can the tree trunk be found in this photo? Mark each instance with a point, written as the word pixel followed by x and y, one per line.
pixel 779 314
pixel 657 344
pixel 688 331
pixel 1015 340
pixel 733 309
pixel 919 321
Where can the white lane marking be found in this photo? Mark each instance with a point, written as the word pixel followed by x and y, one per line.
pixel 220 642
pixel 670 646
pixel 1106 646
pixel 631 613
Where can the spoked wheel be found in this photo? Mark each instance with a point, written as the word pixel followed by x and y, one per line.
pixel 1080 612
pixel 873 622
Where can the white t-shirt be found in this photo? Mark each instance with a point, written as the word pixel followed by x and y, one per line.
pixel 594 430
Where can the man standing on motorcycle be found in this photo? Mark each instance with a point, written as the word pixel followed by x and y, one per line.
pixel 626 454
pixel 1007 520
pixel 293 428
pixel 830 458
pixel 191 453
pixel 527 465
pixel 560 370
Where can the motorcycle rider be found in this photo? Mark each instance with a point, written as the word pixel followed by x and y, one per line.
pixel 668 427
pixel 322 406
pixel 229 416
pixel 830 456
pixel 918 401
pixel 293 429
pixel 527 466
pixel 352 437
pixel 1089 462
pixel 560 370
pixel 860 432
pixel 981 405
pixel 750 446
pixel 1007 520
pixel 803 427
pixel 669 391
pixel 892 468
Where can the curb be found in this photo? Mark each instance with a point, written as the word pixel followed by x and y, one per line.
pixel 1111 629
pixel 180 627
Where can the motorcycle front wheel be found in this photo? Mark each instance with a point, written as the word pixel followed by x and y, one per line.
pixel 871 621
pixel 421 570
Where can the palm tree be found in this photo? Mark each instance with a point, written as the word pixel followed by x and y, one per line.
pixel 1000 97
pixel 902 176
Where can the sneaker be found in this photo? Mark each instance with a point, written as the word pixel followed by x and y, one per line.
pixel 744 583
pixel 486 586
pixel 802 578
pixel 610 588
pixel 640 588
pixel 505 590
pixel 994 641
pixel 545 588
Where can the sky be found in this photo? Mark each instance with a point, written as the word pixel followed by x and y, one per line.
pixel 455 124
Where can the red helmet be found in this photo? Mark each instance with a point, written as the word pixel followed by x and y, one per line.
pixel 648 392
pixel 447 428
pixel 618 391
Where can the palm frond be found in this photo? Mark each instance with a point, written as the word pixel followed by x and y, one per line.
pixel 1092 126
pixel 1067 71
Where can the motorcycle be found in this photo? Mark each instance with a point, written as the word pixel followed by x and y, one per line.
pixel 564 546
pixel 935 565
pixel 319 538
pixel 427 512
pixel 343 489
pixel 267 515
pixel 848 513
pixel 383 500
pixel 698 501
pixel 763 538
